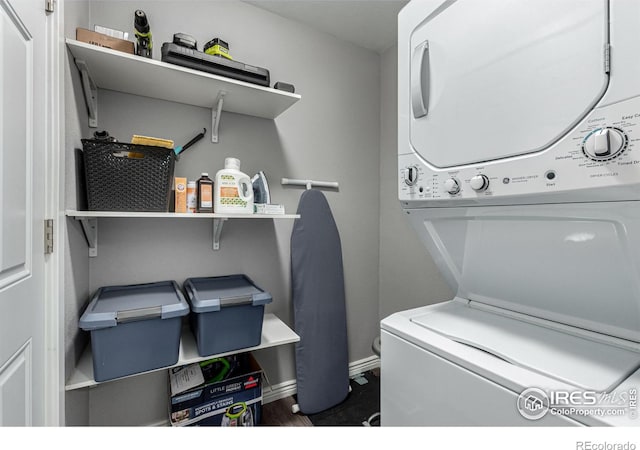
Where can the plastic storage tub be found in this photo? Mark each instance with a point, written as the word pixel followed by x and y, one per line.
pixel 227 313
pixel 134 328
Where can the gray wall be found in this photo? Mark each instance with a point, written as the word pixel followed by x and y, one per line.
pixel 408 277
pixel 331 134
pixel 76 270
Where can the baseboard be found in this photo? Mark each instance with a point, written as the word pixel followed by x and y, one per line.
pixel 360 366
pixel 289 387
pixel 161 423
pixel 278 391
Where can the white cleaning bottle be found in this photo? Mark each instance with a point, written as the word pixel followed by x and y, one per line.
pixel 233 191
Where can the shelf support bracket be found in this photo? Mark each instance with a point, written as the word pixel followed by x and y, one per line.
pixel 215 116
pixel 217 230
pixel 90 228
pixel 90 93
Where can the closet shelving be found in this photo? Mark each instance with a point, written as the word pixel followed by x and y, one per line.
pixel 103 68
pixel 89 221
pixel 274 333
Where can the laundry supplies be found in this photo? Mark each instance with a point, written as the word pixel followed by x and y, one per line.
pixel 261 193
pixel 262 196
pixel 204 194
pixel 180 194
pixel 231 399
pixel 192 197
pixel 233 191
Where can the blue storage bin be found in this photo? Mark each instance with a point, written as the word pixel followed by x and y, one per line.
pixel 134 328
pixel 227 313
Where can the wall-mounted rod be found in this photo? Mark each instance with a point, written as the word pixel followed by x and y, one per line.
pixel 310 183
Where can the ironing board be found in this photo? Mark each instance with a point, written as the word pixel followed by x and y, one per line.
pixel 322 363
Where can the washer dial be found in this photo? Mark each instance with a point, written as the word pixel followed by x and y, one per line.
pixel 452 186
pixel 411 175
pixel 605 144
pixel 479 183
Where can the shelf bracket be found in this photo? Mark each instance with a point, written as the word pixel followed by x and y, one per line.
pixel 90 228
pixel 215 116
pixel 217 230
pixel 90 93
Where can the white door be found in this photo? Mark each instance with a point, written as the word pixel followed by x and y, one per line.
pixel 22 153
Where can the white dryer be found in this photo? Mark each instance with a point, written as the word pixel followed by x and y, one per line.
pixel 519 168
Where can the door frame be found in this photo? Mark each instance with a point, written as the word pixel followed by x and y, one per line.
pixel 54 379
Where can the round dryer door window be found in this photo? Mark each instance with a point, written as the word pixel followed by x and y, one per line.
pixel 499 78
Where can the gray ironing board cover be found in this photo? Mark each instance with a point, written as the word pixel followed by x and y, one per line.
pixel 322 363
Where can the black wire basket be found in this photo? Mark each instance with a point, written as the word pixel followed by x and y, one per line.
pixel 127 177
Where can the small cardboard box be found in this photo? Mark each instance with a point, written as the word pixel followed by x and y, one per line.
pixel 235 400
pixel 102 40
pixel 181 195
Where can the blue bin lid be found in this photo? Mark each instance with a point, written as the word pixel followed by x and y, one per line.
pixel 210 294
pixel 111 305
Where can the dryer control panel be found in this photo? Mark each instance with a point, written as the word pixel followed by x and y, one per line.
pixel 603 151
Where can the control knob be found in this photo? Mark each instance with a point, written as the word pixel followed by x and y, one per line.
pixel 604 144
pixel 479 183
pixel 411 175
pixel 452 186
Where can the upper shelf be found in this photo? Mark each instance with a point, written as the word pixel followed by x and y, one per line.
pixel 132 74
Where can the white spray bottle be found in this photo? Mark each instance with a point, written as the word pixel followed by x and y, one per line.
pixel 233 189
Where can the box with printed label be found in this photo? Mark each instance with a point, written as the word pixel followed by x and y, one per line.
pixel 103 40
pixel 224 391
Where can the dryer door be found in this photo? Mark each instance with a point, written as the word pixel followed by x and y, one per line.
pixel 498 78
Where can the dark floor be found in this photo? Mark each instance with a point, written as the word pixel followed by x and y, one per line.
pixel 360 404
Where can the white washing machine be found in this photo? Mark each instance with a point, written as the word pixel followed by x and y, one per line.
pixel 519 168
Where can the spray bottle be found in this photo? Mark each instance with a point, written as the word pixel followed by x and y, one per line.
pixel 233 191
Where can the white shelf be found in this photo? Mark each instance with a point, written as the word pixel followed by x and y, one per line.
pixel 168 215
pixel 89 221
pixel 274 333
pixel 118 71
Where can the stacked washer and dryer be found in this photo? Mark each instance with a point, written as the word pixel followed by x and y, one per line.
pixel 519 168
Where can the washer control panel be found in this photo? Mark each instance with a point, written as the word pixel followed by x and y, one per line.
pixel 452 186
pixel 602 151
pixel 411 175
pixel 479 182
pixel 605 144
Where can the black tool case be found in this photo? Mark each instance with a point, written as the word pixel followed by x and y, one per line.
pixel 193 59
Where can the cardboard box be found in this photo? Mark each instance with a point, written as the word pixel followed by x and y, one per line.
pixel 263 208
pixel 102 40
pixel 234 401
pixel 181 194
